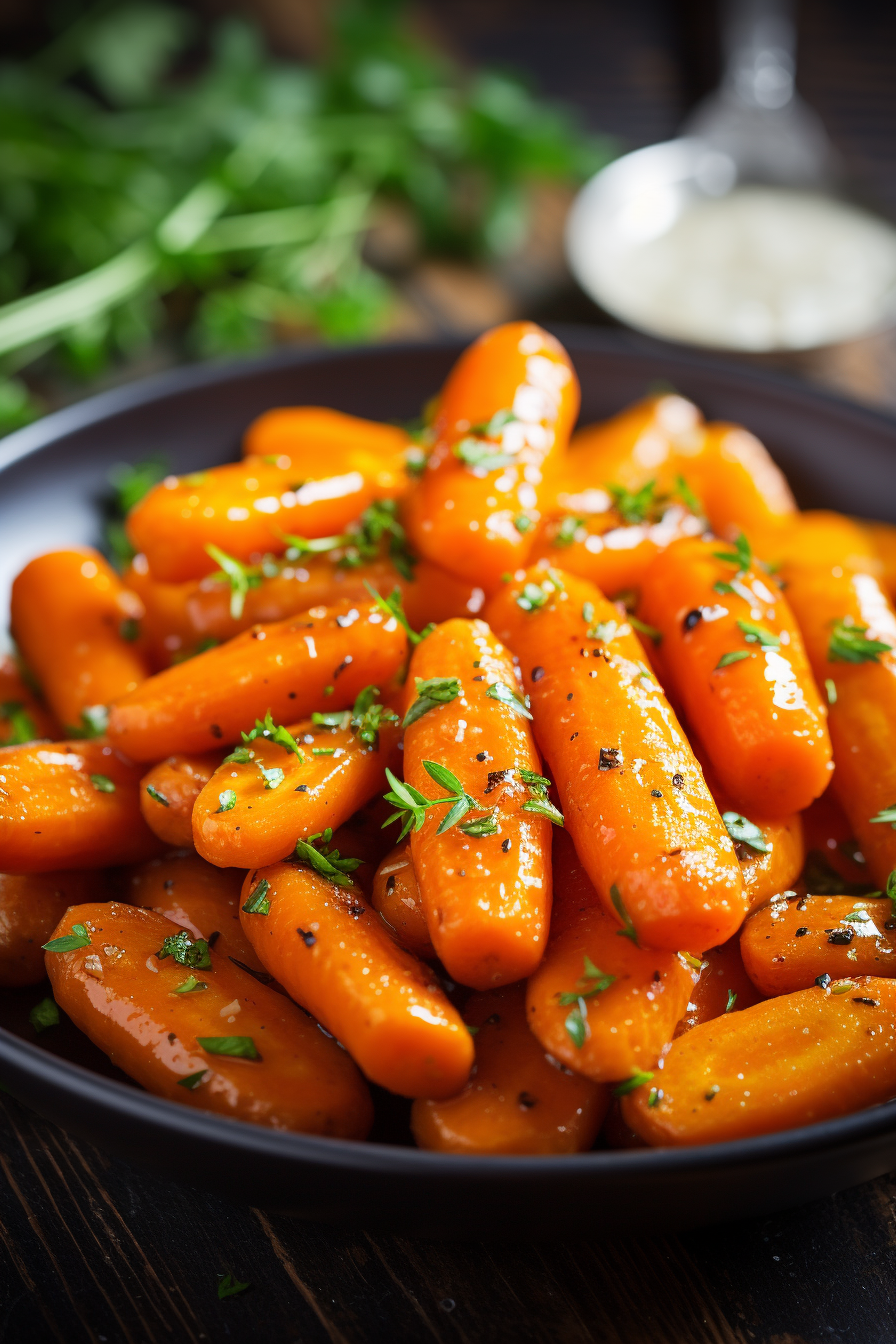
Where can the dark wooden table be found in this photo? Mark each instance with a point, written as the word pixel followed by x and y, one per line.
pixel 92 1250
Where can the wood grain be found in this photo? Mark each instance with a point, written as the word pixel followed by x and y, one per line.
pixel 92 1250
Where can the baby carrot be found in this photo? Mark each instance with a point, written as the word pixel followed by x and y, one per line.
pixel 310 435
pixel 599 1003
pixel 723 987
pixel 504 416
pixel 286 783
pixel 775 868
pixel 30 908
pixel 70 805
pixel 320 939
pixel 289 668
pixel 640 444
pixel 741 488
pixel 790 1061
pixel 832 849
pixel 882 537
pixel 169 791
pixel 76 624
pixel 518 1100
pixel 190 1026
pixel 797 939
pixel 23 717
pixel 197 897
pixel 396 897
pixel 850 632
pixel 483 867
pixel 632 792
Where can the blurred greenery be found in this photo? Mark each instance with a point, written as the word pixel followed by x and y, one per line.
pixel 161 181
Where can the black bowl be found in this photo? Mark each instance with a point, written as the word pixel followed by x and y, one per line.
pixel 52 476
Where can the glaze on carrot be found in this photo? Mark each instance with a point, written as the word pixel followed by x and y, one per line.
pixel 396 897
pixel 168 793
pixel 30 908
pixel 796 939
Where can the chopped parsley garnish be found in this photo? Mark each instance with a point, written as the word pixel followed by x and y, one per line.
pixel 732 1000
pixel 633 506
pixel 102 783
pixel 274 777
pixel 273 733
pixel 193 1080
pixel 230 1286
pixel 587 612
pixel 539 802
pixel 687 497
pixel 392 606
pixel 629 1085
pixel 431 692
pixel 566 532
pixel 886 816
pixel 498 690
pixel 654 1097
pixel 736 656
pixel 257 902
pixel 238 1047
pixel 644 629
pixel 44 1014
pixel 576 1024
pixel 757 634
pixel 741 556
pixel 363 539
pixel 478 448
pixel 690 960
pixel 21 725
pixel 604 631
pixel 323 751
pixel 190 986
pixel 592 982
pixel 226 801
pixel 185 952
pixel 241 578
pixel 94 722
pixel 160 797
pixel 849 643
pixel 629 930
pixel 69 942
pixel 415 805
pixel 368 716
pixel 324 859
pixel 239 756
pixel 297 547
pixel 523 523
pixel 481 827
pixel 532 597
pixel 131 481
pixel 745 832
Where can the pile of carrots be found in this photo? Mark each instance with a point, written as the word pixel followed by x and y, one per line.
pixel 547 778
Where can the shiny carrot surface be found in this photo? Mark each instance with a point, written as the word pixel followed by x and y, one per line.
pixel 313 435
pixel 485 881
pixel 642 443
pixel 329 654
pixel 76 624
pixel 70 805
pixel 723 986
pixel 796 939
pixel 740 487
pixel 396 897
pixel 731 650
pixel 504 417
pixel 254 808
pixel 205 1034
pixel 790 1061
pixel 778 867
pixel 23 717
pixel 633 795
pixel 333 955
pixel 30 908
pixel 518 1100
pixel 168 793
pixel 600 1004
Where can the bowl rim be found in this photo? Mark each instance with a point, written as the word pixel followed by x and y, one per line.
pixel 41 1073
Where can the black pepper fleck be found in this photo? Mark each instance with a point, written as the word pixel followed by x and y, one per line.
pixel 655 793
pixel 841 937
pixel 527 1101
pixel 569 697
pixel 693 618
pixel 307 938
pixel 610 758
pixel 390 885
pixel 801 933
pixel 505 845
pixel 482 755
pixel 823 980
pixel 678 781
pixel 872 1003
pixel 537 673
pixel 215 731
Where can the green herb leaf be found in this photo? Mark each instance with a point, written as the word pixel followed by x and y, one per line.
pixel 239 756
pixel 44 1014
pixel 745 832
pixel 368 716
pixel 324 859
pixel 849 643
pixel 543 807
pixel 688 498
pixel 482 826
pixel 830 689
pixel 757 634
pixel 498 690
pixel 226 800
pixel 891 891
pixel 241 578
pixel 629 1085
pixel 160 797
pixel 238 1047
pixel 431 692
pixel 727 659
pixel 732 1000
pixel 230 1286
pixel 257 902
pixel 274 777
pixel 588 613
pixel 628 930
pixel 442 775
pixel 886 816
pixel 193 1080
pixel 479 453
pixel 273 733
pixel 22 726
pixel 323 751
pixel 392 606
pixel 592 982
pixel 94 722
pixel 566 535
pixel 634 506
pixel 644 629
pixel 69 942
pixel 185 952
pixel 534 780
pixel 742 555
pixel 129 629
pixel 532 597
pixel 576 1025
pixel 102 783
pixel 190 986
pixel 654 1097
pixel 297 547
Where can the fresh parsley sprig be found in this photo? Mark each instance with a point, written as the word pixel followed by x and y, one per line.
pixel 412 805
pixel 241 578
pixel 849 643
pixel 505 695
pixel 633 506
pixel 392 606
pixel 316 852
pixel 185 951
pixel 592 982
pixel 539 802
pixel 431 691
pixel 757 634
pixel 741 556
pixel 272 732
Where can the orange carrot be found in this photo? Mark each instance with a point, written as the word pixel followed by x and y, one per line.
pixel 168 793
pixel 193 1028
pixel 723 987
pixel 796 939
pixel 23 717
pixel 310 435
pixel 30 908
pixel 518 1100
pixel 633 795
pixel 397 898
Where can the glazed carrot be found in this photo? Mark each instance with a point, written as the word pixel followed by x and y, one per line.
pixel 740 487
pixel 30 908
pixel 311 435
pixel 396 897
pixel 777 867
pixel 640 444
pixel 796 939
pixel 633 795
pixel 600 1004
pixel 723 987
pixel 362 837
pixel 166 630
pixel 287 785
pixel 200 1031
pixel 831 849
pixel 168 793
pixel 197 897
pixel 850 632
pixel 790 1061
pixel 732 650
pixel 248 508
pixel 332 954
pixel 504 418
pixel 23 717
pixel 882 537
pixel 75 623
pixel 815 538
pixel 288 668
pixel 70 805
pixel 485 882
pixel 517 1100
